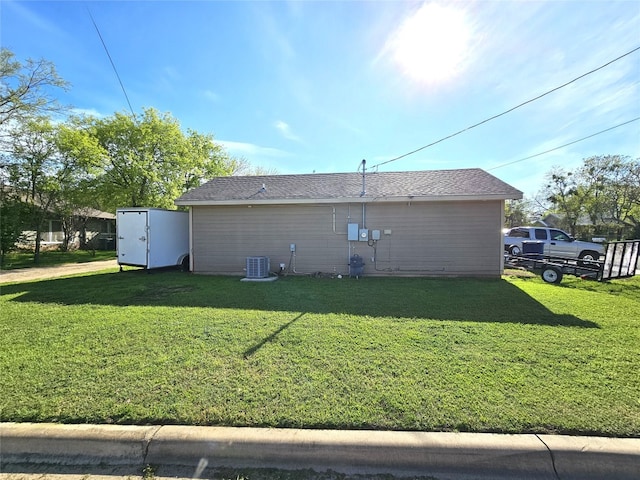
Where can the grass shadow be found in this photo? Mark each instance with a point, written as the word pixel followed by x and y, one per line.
pixel 270 338
pixel 456 299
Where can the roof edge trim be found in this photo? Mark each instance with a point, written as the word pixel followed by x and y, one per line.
pixel 308 201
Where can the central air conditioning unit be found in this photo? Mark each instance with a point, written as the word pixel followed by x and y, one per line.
pixel 258 267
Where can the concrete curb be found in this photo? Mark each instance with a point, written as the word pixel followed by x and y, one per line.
pixel 443 455
pixel 354 451
pixel 594 457
pixel 74 444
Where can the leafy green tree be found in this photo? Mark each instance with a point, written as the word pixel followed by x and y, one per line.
pixel 148 160
pixel 25 89
pixel 613 183
pixel 606 189
pixel 32 167
pixel 79 157
pixel 566 194
pixel 518 212
pixel 12 220
pixel 48 171
pixel 205 159
pixel 26 94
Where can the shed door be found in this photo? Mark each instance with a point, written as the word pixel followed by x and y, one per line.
pixel 132 238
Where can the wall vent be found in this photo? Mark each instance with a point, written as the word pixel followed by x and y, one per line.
pixel 258 267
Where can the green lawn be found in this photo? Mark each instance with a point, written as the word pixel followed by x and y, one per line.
pixel 512 355
pixel 50 258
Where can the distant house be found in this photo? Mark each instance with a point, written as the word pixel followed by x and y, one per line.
pixel 421 223
pixel 93 229
pixel 559 220
pixel 89 227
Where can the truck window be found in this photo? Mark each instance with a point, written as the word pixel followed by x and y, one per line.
pixel 541 234
pixel 560 236
pixel 519 233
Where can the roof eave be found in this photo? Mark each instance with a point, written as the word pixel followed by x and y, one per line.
pixel 365 199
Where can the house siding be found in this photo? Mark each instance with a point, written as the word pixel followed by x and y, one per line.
pixel 426 238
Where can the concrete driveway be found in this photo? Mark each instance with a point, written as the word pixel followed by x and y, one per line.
pixel 41 273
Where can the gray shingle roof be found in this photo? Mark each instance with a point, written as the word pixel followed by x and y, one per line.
pixel 472 184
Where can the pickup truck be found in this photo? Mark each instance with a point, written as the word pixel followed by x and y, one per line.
pixel 557 244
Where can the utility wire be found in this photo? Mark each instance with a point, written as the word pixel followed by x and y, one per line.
pixel 133 115
pixel 510 110
pixel 565 145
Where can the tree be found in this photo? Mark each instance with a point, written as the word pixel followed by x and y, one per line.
pixel 48 169
pixel 613 182
pixel 606 189
pixel 32 171
pixel 206 159
pixel 12 220
pixel 566 195
pixel 79 156
pixel 244 167
pixel 518 212
pixel 148 161
pixel 25 88
pixel 26 95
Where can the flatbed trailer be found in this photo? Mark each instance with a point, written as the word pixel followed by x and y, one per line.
pixel 620 261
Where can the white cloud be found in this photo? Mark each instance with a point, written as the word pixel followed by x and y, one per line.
pixel 90 112
pixel 165 79
pixel 171 73
pixel 37 21
pixel 278 46
pixel 210 95
pixel 250 149
pixel 285 130
pixel 610 90
pixel 62 117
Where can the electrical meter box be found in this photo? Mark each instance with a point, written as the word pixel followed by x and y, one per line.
pixel 363 235
pixel 352 232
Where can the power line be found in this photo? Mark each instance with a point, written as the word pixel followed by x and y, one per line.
pixel 510 110
pixel 112 64
pixel 565 145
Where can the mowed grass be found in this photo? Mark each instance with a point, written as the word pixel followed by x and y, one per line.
pixel 511 355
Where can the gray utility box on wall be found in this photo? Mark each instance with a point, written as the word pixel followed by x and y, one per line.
pixel 152 237
pixel 352 232
pixel 357 234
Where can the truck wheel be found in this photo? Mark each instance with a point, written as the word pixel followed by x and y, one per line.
pixel 588 258
pixel 551 274
pixel 515 250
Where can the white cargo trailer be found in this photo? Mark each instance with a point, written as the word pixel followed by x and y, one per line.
pixel 152 237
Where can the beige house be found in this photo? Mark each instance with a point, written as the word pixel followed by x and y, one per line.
pixel 422 223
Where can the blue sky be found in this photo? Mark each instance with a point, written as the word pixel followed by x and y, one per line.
pixel 305 86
